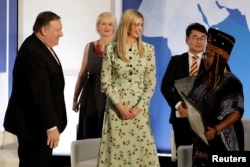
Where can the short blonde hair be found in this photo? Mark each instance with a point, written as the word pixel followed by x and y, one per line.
pixel 107 15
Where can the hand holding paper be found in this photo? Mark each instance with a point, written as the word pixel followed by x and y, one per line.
pixel 195 118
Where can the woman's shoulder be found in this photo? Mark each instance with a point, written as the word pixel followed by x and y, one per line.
pixel 148 48
pixel 111 45
pixel 231 78
pixel 91 44
pixel 230 83
pixel 111 48
pixel 148 45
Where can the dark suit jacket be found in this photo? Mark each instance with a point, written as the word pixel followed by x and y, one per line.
pixel 178 68
pixel 37 100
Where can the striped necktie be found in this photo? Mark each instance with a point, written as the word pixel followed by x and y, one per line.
pixel 194 67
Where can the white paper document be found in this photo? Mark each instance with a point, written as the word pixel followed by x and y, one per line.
pixel 195 118
pixel 183 85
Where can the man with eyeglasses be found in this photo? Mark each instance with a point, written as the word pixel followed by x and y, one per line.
pixel 180 67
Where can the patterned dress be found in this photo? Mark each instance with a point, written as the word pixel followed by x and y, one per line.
pixel 128 142
pixel 226 98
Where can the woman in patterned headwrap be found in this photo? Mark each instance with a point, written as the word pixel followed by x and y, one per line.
pixel 218 93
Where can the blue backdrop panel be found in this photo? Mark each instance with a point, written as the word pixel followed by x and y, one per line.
pixel 161 13
pixel 3 19
pixel 13 30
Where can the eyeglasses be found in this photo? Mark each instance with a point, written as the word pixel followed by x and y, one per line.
pixel 196 39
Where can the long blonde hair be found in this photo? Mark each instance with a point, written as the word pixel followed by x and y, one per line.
pixel 127 19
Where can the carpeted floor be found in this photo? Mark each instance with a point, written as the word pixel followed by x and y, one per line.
pixel 64 161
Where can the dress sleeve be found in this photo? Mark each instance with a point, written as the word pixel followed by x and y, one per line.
pixel 106 75
pixel 230 105
pixel 232 97
pixel 149 77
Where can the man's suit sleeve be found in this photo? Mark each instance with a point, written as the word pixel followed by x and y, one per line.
pixel 167 85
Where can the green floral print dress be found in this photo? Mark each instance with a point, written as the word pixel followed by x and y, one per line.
pixel 128 143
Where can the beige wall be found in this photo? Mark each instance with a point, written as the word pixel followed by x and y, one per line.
pixel 78 18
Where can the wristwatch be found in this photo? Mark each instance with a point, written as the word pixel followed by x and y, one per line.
pixel 217 130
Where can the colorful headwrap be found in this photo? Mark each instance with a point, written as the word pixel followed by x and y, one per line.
pixel 220 43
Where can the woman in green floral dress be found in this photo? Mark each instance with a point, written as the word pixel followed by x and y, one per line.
pixel 128 78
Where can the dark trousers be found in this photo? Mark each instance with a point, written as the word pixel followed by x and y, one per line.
pixel 182 132
pixel 34 152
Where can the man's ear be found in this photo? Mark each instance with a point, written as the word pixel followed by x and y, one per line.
pixel 186 40
pixel 43 31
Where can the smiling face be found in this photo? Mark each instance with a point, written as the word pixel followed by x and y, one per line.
pixel 135 29
pixel 105 27
pixel 51 33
